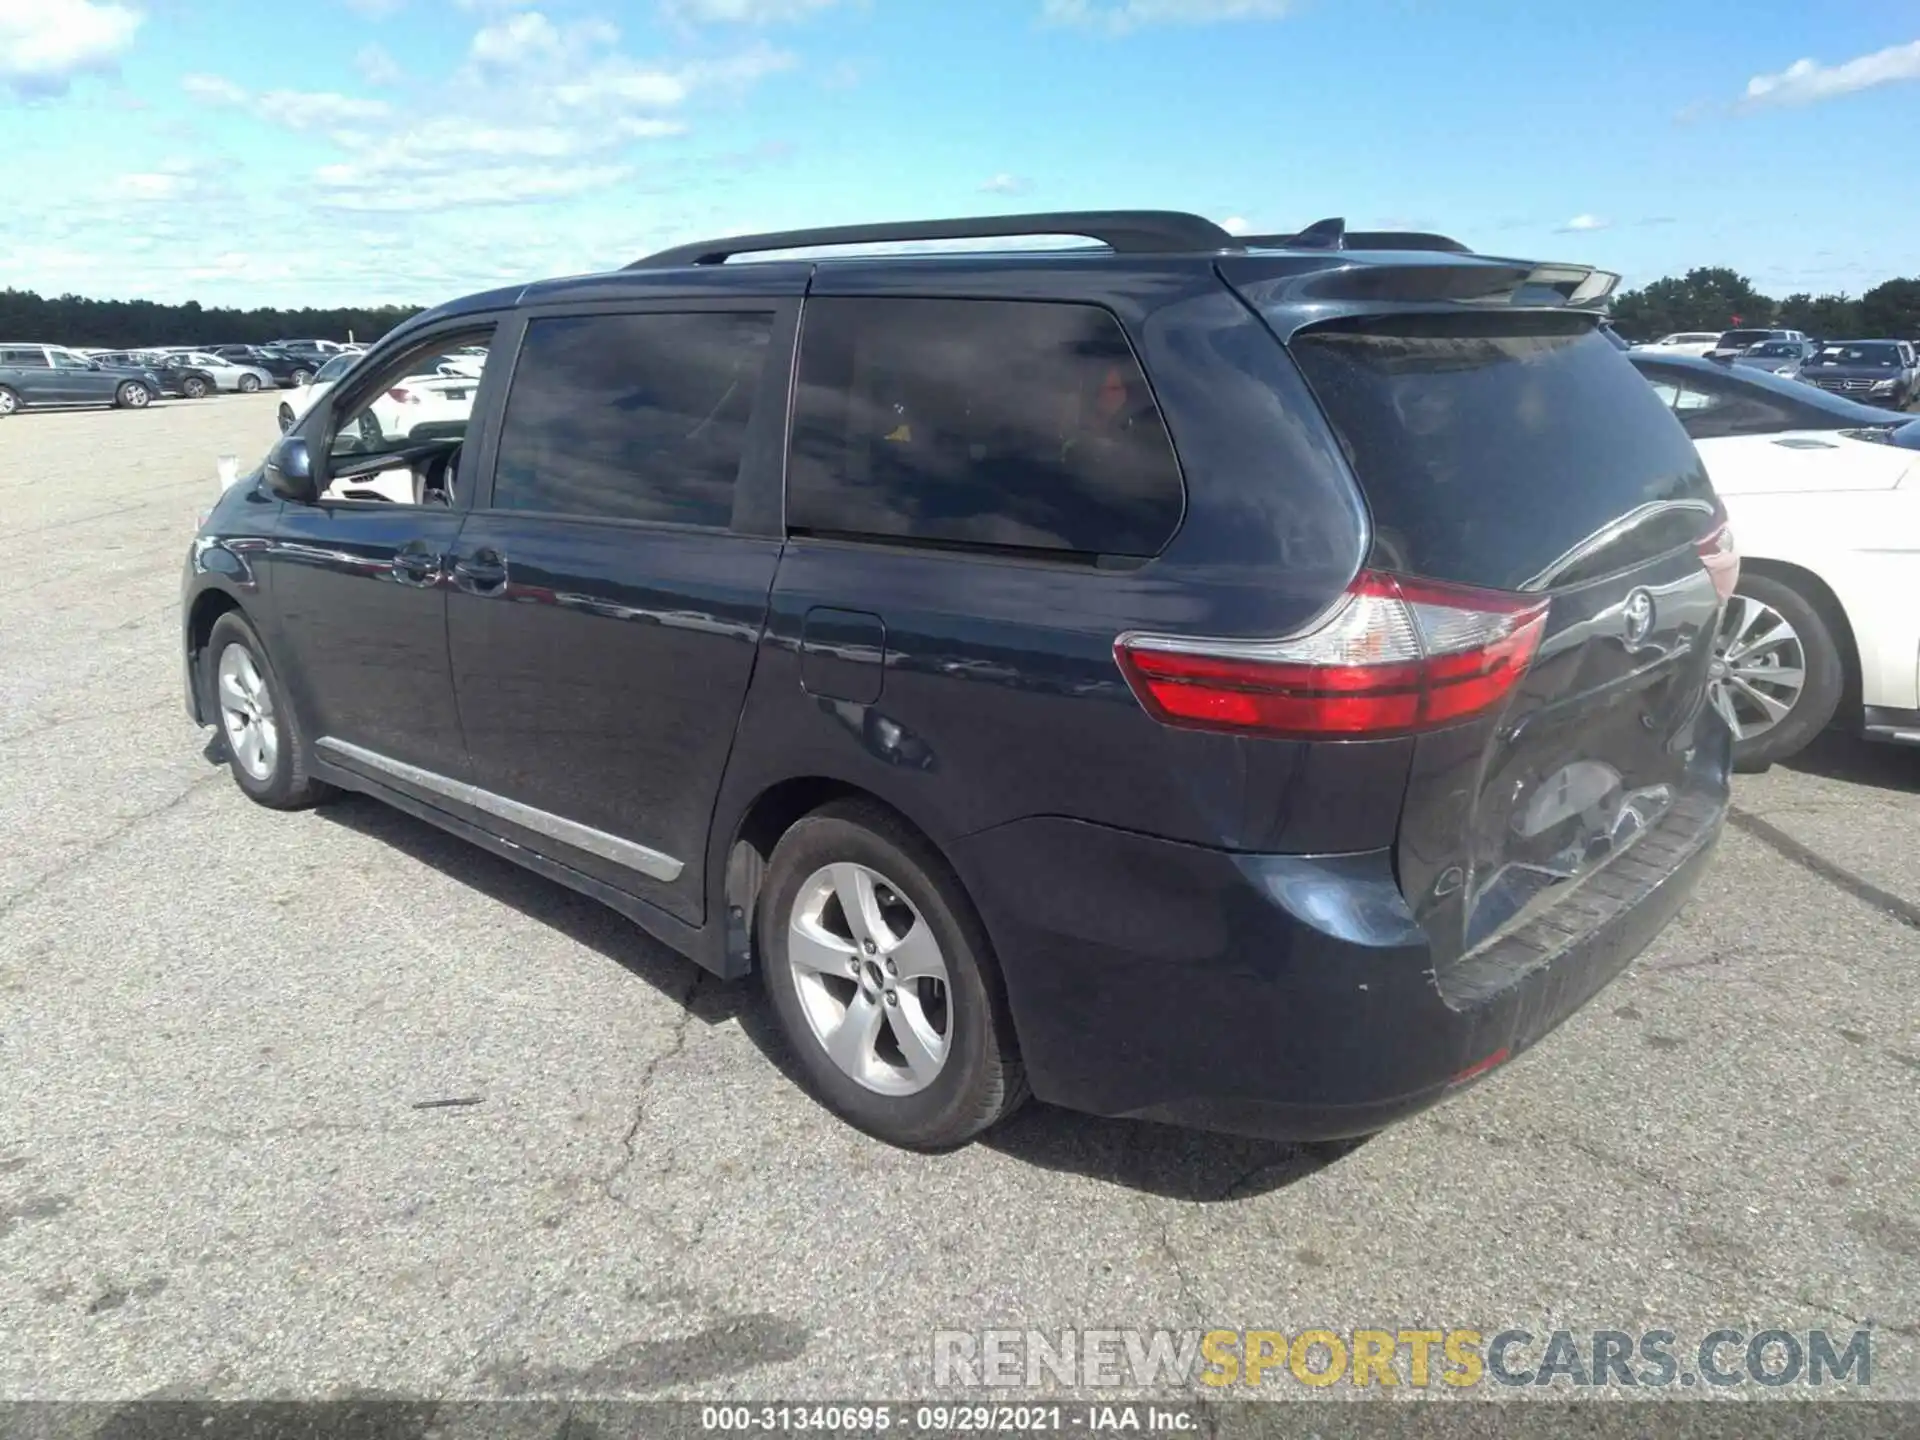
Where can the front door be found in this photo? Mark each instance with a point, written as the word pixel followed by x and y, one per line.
pixel 78 383
pixel 359 582
pixel 610 591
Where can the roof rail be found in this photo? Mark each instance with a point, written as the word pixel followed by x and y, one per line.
pixel 1124 231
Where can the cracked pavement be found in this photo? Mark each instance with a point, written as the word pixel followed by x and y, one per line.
pixel 229 1040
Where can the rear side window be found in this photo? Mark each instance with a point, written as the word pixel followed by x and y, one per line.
pixel 33 359
pixel 631 417
pixel 1490 446
pixel 1010 424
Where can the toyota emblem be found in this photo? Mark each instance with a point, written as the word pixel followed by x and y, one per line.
pixel 1638 617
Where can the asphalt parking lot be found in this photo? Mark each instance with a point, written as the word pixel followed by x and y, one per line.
pixel 330 1104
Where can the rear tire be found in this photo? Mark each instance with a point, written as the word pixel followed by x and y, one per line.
pixel 259 732
pixel 927 988
pixel 9 402
pixel 249 384
pixel 1770 625
pixel 132 396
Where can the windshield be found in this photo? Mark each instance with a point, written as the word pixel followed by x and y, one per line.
pixel 336 367
pixel 1776 349
pixel 1732 338
pixel 1884 355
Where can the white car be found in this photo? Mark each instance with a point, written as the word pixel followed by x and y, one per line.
pixel 226 374
pixel 441 395
pixel 435 401
pixel 1828 603
pixel 300 399
pixel 1684 342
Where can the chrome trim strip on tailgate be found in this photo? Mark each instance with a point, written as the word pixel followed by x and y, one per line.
pixel 648 862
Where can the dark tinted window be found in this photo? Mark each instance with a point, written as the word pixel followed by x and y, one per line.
pixel 1488 446
pixel 1885 354
pixel 1733 338
pixel 983 422
pixel 35 359
pixel 631 417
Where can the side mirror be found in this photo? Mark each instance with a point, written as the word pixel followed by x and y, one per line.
pixel 289 470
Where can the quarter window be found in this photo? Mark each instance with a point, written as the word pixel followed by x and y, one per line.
pixel 632 417
pixel 1010 424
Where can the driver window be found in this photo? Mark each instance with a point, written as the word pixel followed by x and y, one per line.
pixel 418 403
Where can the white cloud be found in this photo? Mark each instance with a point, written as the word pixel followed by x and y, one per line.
pixel 213 89
pixel 377 66
pixel 177 180
pixel 741 12
pixel 374 9
pixel 318 110
pixel 1807 81
pixel 1005 184
pixel 46 43
pixel 292 109
pixel 1117 17
pixel 1580 223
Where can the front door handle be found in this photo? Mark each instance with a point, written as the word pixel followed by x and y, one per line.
pixel 482 573
pixel 417 563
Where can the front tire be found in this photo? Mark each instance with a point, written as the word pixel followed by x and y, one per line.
pixel 193 387
pixel 302 378
pixel 1777 671
pixel 249 384
pixel 884 981
pixel 132 396
pixel 258 729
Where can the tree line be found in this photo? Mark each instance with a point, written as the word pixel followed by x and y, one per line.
pixel 130 324
pixel 1716 298
pixel 1707 298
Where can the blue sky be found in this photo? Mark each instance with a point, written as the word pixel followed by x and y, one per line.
pixel 332 151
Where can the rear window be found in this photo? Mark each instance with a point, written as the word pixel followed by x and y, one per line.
pixel 1015 425
pixel 1734 338
pixel 1491 446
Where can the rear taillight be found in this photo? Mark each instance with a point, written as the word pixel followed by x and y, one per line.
pixel 1719 554
pixel 1393 656
pixel 403 396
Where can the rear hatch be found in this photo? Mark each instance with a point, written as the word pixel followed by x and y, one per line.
pixel 1520 453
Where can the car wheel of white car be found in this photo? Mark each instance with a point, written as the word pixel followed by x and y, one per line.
pixel 1777 674
pixel 249 384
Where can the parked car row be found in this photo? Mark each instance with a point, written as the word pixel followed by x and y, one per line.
pixel 33 374
pixel 1879 372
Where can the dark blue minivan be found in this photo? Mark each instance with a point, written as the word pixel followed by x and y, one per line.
pixel 1256 683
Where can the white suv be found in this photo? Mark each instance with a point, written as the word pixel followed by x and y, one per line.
pixel 1683 342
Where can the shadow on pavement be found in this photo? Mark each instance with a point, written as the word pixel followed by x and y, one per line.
pixel 1161 1160
pixel 1837 755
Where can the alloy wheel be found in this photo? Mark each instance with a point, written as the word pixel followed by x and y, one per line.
pixel 6 402
pixel 246 713
pixel 1759 668
pixel 870 978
